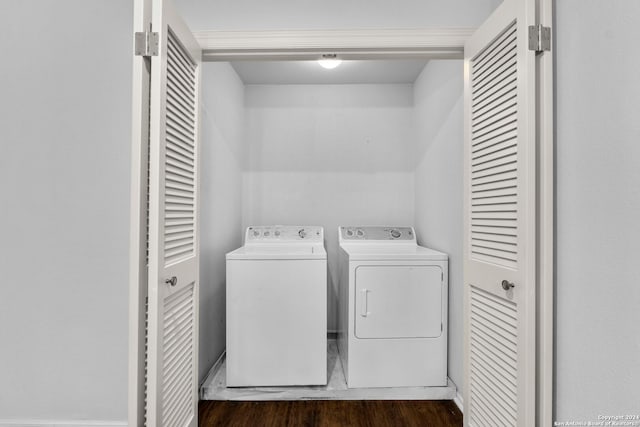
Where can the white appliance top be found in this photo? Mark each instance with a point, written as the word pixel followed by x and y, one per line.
pixel 272 242
pixel 377 243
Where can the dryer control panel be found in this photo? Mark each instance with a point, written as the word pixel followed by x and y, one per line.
pixel 284 234
pixel 369 233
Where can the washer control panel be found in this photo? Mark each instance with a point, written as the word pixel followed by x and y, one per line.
pixel 283 233
pixel 352 233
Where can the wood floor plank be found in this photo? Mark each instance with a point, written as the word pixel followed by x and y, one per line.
pixel 330 413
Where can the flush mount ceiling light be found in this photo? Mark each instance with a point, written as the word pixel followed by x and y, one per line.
pixel 329 61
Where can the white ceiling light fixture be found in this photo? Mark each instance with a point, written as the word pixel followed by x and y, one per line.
pixel 329 61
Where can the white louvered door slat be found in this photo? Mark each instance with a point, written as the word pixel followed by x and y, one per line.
pixel 172 387
pixel 500 220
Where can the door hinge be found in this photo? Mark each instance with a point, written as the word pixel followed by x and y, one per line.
pixel 146 43
pixel 539 38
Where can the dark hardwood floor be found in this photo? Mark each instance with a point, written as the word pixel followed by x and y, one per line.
pixel 325 413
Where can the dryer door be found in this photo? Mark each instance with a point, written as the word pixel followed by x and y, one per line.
pixel 399 301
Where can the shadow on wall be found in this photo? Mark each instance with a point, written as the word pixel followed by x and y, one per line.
pixel 436 96
pixel 439 184
pixel 221 156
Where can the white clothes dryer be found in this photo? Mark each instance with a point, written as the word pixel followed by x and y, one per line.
pixel 392 315
pixel 277 308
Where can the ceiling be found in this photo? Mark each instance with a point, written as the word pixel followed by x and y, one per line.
pixel 310 72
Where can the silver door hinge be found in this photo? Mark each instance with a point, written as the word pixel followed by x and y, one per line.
pixel 539 38
pixel 146 43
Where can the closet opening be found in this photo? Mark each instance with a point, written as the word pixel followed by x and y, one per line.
pixel 360 149
pixel 370 142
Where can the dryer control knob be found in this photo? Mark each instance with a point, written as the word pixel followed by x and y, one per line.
pixel 256 233
pixel 302 233
pixel 359 233
pixel 395 234
pixel 350 233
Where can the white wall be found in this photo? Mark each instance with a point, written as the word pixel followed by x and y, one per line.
pixel 329 155
pixel 438 96
pixel 598 206
pixel 309 14
pixel 222 115
pixel 65 114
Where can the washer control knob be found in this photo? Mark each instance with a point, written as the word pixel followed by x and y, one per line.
pixel 359 232
pixel 277 233
pixel 256 233
pixel 266 233
pixel 302 233
pixel 350 233
pixel 395 234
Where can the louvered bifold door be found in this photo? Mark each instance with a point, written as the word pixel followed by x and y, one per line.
pixel 499 237
pixel 172 362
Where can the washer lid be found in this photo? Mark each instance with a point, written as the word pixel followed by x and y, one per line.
pixel 391 252
pixel 279 252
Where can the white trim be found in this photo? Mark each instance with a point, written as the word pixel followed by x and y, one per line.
pixel 444 43
pixel 546 223
pixel 137 229
pixel 56 423
pixel 459 401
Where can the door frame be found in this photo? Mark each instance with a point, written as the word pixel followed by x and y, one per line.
pixel 138 274
pixel 382 43
pixel 545 269
pixel 427 43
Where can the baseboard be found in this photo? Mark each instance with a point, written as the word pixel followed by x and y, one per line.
pixel 62 423
pixel 458 401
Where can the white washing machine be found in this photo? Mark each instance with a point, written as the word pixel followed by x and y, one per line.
pixel 277 308
pixel 392 316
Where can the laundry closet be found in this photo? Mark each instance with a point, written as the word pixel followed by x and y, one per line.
pixel 421 148
pixel 371 142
